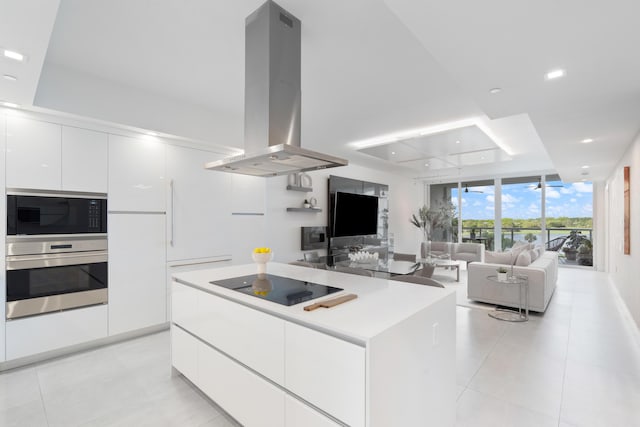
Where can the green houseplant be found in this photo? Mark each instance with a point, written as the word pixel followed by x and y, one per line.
pixel 430 219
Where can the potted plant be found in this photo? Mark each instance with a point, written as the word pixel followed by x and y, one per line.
pixel 502 274
pixel 585 253
pixel 572 243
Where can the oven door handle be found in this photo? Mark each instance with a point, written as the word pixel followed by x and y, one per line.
pixel 24 262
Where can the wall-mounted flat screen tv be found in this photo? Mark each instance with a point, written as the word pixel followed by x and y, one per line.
pixel 355 215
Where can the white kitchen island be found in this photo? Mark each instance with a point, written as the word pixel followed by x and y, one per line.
pixel 384 359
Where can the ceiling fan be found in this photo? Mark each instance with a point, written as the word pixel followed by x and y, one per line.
pixel 539 186
pixel 466 190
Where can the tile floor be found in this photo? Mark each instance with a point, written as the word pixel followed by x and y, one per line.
pixel 577 365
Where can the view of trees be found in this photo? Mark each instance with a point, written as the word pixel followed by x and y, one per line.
pixel 531 223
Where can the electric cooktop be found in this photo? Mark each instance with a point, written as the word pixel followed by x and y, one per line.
pixel 278 289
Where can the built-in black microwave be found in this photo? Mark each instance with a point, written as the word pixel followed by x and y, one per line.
pixel 56 214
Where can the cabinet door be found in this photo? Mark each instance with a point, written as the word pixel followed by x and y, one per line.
pixel 254 338
pixel 298 414
pixel 37 334
pixel 33 154
pixel 184 353
pixel 327 372
pixel 248 398
pixel 136 174
pixel 84 160
pixel 198 208
pixel 137 262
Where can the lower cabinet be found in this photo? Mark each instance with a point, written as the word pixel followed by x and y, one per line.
pixel 37 334
pixel 339 387
pixel 137 265
pixel 236 355
pixel 300 414
pixel 249 398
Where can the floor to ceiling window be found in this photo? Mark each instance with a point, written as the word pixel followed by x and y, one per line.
pixel 565 224
pixel 569 220
pixel 521 211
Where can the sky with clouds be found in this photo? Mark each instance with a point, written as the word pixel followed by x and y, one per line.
pixel 522 201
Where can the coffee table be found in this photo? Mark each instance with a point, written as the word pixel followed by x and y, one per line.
pixel 443 263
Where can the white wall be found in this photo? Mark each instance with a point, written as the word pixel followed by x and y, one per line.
pixel 624 269
pixel 283 228
pixel 3 225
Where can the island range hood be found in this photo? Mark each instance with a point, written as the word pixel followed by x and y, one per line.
pixel 272 100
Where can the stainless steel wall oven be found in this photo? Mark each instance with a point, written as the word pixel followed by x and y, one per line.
pixel 56 252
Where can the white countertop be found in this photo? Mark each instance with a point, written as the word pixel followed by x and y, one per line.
pixel 380 303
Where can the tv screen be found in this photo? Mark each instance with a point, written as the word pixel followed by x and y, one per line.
pixel 355 215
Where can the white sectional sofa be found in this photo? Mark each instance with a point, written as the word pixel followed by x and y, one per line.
pixel 470 252
pixel 542 276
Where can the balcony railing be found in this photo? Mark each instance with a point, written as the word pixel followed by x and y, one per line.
pixel 555 237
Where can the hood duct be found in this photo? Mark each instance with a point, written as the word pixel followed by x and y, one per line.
pixel 272 100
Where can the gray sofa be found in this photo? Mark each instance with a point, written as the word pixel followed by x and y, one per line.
pixel 469 252
pixel 542 277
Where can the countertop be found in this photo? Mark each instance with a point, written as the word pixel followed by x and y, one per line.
pixel 381 303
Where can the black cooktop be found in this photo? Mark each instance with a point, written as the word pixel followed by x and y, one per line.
pixel 278 289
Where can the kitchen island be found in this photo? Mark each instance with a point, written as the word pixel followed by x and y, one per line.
pixel 385 358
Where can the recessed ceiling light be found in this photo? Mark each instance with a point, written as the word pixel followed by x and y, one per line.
pixel 9 77
pixel 426 164
pixel 393 152
pixel 152 134
pixel 555 74
pixel 495 90
pixel 14 55
pixel 9 104
pixel 585 167
pixel 457 142
pixel 586 140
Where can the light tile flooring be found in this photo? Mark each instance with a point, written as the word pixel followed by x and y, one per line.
pixel 576 365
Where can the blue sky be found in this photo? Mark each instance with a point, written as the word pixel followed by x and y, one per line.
pixel 522 201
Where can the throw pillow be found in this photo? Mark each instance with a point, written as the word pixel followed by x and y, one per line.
pixel 497 257
pixel 524 259
pixel 515 251
pixel 533 253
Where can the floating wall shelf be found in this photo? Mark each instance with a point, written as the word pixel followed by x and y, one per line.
pixel 304 210
pixel 297 188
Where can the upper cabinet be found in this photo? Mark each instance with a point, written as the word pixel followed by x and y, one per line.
pixel 198 206
pixel 84 160
pixel 48 156
pixel 136 174
pixel 34 157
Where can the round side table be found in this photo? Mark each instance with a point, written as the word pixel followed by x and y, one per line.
pixel 510 315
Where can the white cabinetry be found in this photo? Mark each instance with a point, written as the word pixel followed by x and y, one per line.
pixel 339 387
pixel 37 334
pixel 136 174
pixel 84 160
pixel 33 154
pixel 252 400
pixel 256 339
pixel 300 414
pixel 198 208
pixel 48 156
pixel 137 262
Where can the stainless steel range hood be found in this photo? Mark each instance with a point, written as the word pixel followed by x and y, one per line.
pixel 272 100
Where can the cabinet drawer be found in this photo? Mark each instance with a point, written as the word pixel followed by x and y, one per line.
pixel 254 338
pixel 247 397
pixel 184 302
pixel 47 332
pixel 298 414
pixel 327 372
pixel 184 353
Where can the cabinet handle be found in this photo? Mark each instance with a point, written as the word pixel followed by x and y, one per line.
pixel 172 211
